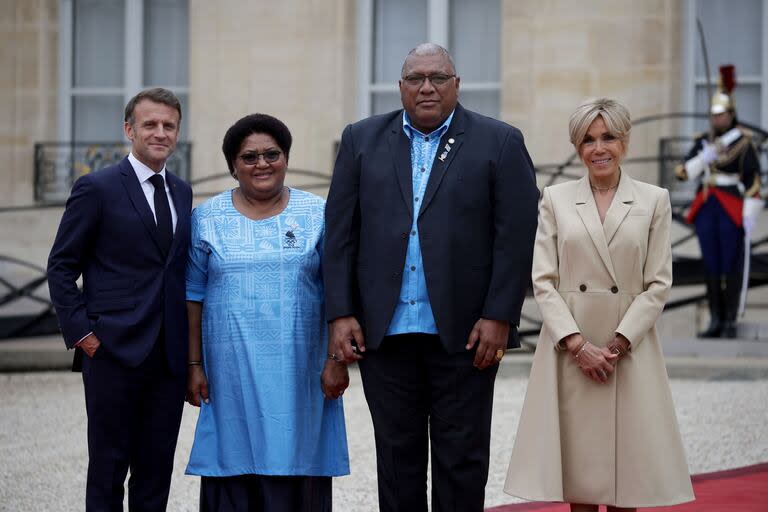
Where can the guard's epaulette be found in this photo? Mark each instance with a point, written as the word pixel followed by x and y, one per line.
pixel 745 132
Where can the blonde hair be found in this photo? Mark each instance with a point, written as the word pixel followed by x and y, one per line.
pixel 614 114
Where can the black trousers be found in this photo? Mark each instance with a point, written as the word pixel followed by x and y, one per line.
pixel 418 394
pixel 133 422
pixel 265 493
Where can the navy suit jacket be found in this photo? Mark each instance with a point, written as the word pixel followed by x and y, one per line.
pixel 130 288
pixel 477 224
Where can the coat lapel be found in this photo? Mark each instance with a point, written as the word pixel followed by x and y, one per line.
pixel 587 210
pixel 622 203
pixel 138 199
pixel 181 207
pixel 400 149
pixel 440 166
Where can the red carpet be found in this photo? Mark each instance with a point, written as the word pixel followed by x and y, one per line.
pixel 733 490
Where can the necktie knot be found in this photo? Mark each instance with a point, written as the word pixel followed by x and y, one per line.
pixel 157 181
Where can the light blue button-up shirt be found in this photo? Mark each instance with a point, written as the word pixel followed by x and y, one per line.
pixel 413 312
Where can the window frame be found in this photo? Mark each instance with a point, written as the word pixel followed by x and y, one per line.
pixel 438 31
pixel 133 69
pixel 690 81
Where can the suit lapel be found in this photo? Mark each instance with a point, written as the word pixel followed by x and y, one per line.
pixel 587 210
pixel 180 205
pixel 440 166
pixel 622 203
pixel 138 199
pixel 400 149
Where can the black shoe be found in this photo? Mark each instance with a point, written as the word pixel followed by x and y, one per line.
pixel 729 330
pixel 714 330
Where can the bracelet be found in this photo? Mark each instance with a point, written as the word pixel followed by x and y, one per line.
pixel 195 363
pixel 581 349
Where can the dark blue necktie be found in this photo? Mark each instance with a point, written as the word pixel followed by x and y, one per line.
pixel 162 214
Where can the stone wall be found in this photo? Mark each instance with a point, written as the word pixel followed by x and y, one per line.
pixel 28 91
pixel 293 59
pixel 557 53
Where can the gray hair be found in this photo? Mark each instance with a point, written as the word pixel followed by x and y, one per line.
pixel 614 114
pixel 425 49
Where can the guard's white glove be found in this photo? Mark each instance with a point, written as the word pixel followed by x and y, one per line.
pixel 698 164
pixel 708 152
pixel 750 213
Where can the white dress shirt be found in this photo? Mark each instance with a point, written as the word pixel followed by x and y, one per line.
pixel 144 173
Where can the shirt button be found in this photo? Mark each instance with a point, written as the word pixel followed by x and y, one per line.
pixel 416 199
pixel 413 268
pixel 426 139
pixel 413 302
pixel 423 169
pixel 583 287
pixel 614 289
pixel 413 232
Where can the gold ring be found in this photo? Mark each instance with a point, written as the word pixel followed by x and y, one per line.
pixel 499 355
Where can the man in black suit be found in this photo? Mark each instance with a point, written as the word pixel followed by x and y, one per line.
pixel 430 222
pixel 126 231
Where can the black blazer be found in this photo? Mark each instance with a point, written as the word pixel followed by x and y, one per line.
pixel 477 224
pixel 130 288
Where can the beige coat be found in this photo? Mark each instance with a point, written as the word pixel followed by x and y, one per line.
pixel 579 441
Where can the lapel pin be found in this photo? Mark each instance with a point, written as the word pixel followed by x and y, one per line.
pixel 442 156
pixel 447 147
pixel 451 141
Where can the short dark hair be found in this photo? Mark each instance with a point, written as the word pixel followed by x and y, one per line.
pixel 247 126
pixel 158 95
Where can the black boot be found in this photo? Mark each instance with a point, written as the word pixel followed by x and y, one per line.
pixel 715 302
pixel 733 284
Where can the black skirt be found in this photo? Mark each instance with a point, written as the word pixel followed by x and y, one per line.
pixel 265 493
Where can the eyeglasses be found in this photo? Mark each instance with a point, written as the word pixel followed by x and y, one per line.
pixel 270 157
pixel 418 80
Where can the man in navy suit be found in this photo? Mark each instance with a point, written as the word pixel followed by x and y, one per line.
pixel 126 231
pixel 430 222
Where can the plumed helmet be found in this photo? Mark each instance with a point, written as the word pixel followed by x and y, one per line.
pixel 722 100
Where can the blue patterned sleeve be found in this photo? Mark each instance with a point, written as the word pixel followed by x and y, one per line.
pixel 197 262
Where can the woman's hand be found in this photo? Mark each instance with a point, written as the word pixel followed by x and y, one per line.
pixel 197 385
pixel 595 362
pixel 619 345
pixel 334 379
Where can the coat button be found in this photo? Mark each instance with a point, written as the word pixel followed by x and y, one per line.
pixel 614 289
pixel 404 235
pixel 583 287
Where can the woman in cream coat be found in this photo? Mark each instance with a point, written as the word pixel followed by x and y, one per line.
pixel 598 425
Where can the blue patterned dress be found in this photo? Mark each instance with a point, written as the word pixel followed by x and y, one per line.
pixel 264 343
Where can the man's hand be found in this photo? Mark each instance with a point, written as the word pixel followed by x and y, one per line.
pixel 493 336
pixel 341 333
pixel 197 385
pixel 334 379
pixel 90 344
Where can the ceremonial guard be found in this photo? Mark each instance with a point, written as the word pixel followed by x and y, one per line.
pixel 726 206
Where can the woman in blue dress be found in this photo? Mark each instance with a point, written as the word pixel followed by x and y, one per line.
pixel 267 438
